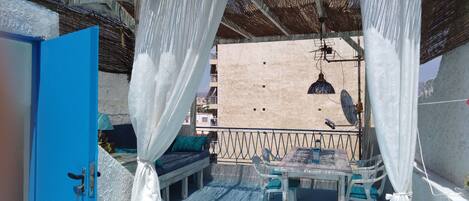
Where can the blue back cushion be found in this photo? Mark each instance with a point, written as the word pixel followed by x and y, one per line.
pixel 189 144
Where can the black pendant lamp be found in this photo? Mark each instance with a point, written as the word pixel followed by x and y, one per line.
pixel 321 86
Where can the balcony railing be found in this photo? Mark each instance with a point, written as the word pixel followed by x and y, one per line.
pixel 213 78
pixel 212 100
pixel 238 145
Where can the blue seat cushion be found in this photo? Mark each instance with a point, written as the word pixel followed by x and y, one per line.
pixel 275 172
pixel 125 150
pixel 174 160
pixel 189 144
pixel 277 184
pixel 356 176
pixel 359 192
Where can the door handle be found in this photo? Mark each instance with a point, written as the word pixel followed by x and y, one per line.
pixel 75 177
pixel 79 189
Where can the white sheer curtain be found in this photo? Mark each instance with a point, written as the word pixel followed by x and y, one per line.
pixel 174 39
pixel 392 53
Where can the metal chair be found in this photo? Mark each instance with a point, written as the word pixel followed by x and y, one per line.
pixel 267 155
pixel 367 164
pixel 368 183
pixel 370 163
pixel 271 183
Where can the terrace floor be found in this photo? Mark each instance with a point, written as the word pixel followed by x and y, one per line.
pixel 225 191
pixel 238 183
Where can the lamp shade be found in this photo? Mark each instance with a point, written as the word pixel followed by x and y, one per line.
pixel 104 123
pixel 321 86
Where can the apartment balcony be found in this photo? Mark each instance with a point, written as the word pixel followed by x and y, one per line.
pixel 213 80
pixel 212 102
pixel 213 61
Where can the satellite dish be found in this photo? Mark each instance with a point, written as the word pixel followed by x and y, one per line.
pixel 350 110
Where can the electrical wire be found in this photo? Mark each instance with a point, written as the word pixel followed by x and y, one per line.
pixel 441 102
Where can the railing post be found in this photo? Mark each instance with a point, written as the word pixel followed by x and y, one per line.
pixel 359 145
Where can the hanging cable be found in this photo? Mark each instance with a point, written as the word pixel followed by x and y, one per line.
pixel 441 102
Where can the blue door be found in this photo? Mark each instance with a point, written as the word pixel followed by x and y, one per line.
pixel 65 141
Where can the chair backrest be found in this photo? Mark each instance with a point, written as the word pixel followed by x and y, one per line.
pixel 371 163
pixel 266 153
pixel 370 177
pixel 381 176
pixel 257 162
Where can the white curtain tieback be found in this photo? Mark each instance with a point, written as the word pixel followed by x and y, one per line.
pixel 145 162
pixel 396 195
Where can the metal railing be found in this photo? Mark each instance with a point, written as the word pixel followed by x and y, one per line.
pixel 212 100
pixel 213 78
pixel 238 145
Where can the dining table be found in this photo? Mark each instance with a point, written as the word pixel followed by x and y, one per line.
pixel 333 165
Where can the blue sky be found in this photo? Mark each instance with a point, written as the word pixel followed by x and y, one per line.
pixel 204 84
pixel 430 69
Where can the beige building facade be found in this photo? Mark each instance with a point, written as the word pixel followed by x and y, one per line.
pixel 264 85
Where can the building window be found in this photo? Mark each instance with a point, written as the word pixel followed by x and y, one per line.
pixel 254 109
pixel 263 109
pixel 204 119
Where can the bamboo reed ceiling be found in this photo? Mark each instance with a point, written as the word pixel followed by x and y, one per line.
pixel 445 24
pixel 298 16
pixel 116 41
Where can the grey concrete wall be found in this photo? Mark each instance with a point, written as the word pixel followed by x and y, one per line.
pixel 112 97
pixel 280 85
pixel 444 127
pixel 444 131
pixel 443 190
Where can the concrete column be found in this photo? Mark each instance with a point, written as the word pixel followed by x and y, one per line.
pixel 193 115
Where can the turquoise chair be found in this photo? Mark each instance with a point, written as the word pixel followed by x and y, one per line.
pixel 367 183
pixel 367 164
pixel 271 183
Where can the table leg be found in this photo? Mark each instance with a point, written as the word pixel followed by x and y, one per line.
pixel 341 189
pixel 285 187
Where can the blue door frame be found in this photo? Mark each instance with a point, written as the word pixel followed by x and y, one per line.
pixel 36 43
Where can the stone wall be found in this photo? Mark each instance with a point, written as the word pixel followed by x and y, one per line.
pixel 265 85
pixel 113 96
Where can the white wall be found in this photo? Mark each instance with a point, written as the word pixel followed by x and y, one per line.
pixel 444 131
pixel 115 182
pixel 443 190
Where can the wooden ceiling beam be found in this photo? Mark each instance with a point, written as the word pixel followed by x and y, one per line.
pixel 321 12
pixel 111 6
pixel 271 16
pixel 288 38
pixel 354 45
pixel 233 26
